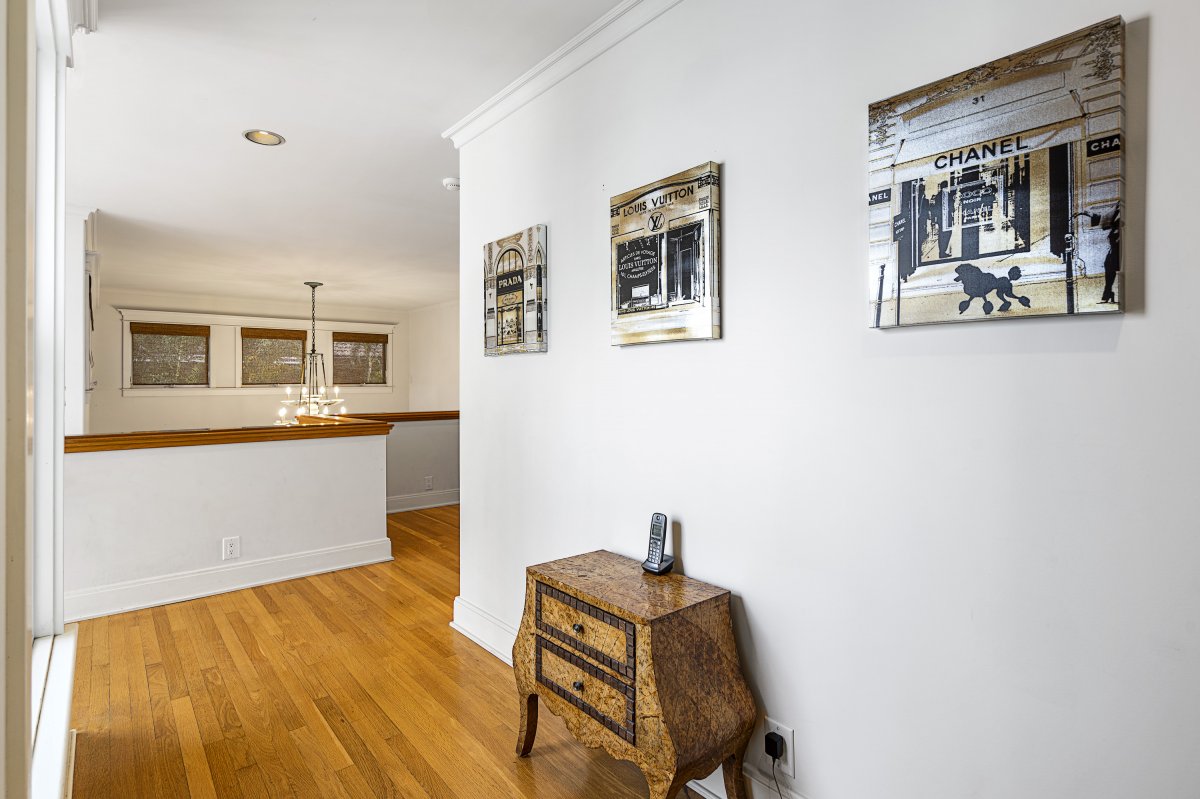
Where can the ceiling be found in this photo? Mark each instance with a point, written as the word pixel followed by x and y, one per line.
pixel 361 89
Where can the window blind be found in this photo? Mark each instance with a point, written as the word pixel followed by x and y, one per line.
pixel 359 358
pixel 168 355
pixel 271 356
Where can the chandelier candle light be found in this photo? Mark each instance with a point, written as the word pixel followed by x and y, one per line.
pixel 314 399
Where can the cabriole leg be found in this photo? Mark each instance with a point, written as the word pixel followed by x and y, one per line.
pixel 528 729
pixel 735 781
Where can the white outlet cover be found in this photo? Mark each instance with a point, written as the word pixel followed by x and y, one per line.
pixel 786 765
pixel 231 547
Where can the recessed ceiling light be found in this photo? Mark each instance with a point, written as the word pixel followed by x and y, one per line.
pixel 264 137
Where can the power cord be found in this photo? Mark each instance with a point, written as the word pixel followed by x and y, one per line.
pixel 773 745
pixel 688 792
pixel 778 790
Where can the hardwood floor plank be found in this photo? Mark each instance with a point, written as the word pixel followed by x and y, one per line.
pixel 141 712
pixel 266 673
pixel 92 752
pixel 353 781
pixel 122 759
pixel 285 670
pixel 316 753
pixel 253 783
pixel 223 770
pixel 195 760
pixel 169 775
pixel 206 717
pixel 150 650
pixel 100 640
pixel 374 776
pixel 236 746
pixel 347 685
pixel 422 771
pixel 172 668
pixel 248 696
pixel 83 688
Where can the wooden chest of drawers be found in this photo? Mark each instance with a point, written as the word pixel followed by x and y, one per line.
pixel 644 666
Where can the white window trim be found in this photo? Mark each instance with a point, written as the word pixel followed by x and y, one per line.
pixel 225 357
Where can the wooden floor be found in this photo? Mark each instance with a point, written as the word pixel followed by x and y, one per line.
pixel 348 684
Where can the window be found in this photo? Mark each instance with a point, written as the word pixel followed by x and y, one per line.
pixel 272 357
pixel 510 298
pixel 359 359
pixel 685 264
pixel 168 355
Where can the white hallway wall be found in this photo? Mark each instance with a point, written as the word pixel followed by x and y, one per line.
pixel 433 357
pixel 965 557
pixel 422 329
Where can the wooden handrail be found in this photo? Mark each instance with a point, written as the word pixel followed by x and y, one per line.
pixel 406 416
pixel 309 427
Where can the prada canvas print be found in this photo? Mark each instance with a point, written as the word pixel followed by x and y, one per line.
pixel 664 259
pixel 997 192
pixel 514 293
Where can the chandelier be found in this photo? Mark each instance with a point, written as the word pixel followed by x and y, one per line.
pixel 314 398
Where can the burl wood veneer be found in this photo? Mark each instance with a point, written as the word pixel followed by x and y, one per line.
pixel 644 666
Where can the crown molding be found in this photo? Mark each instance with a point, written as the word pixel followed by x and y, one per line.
pixel 623 20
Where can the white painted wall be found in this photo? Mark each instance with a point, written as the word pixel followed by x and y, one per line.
pixel 965 556
pixel 144 526
pixel 420 450
pixel 433 357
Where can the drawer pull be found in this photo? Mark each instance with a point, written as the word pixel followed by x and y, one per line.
pixel 578 628
pixel 577 685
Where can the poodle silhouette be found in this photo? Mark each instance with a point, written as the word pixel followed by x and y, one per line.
pixel 978 283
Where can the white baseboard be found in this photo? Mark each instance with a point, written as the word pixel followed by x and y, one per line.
pixel 163 590
pixel 497 638
pixel 484 629
pixel 426 499
pixel 759 788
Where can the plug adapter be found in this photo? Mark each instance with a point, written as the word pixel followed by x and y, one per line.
pixel 774 745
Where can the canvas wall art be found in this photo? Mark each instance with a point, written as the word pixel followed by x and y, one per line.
pixel 514 293
pixel 996 193
pixel 665 275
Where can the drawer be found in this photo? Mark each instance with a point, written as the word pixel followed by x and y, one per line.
pixel 596 693
pixel 595 633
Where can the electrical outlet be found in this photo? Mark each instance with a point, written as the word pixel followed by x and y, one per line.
pixel 429 482
pixel 231 547
pixel 787 763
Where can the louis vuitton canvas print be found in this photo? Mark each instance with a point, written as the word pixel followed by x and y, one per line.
pixel 996 193
pixel 665 276
pixel 514 293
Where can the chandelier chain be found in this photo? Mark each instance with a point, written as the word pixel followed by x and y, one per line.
pixel 314 317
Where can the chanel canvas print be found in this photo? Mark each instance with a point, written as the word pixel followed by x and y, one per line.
pixel 664 259
pixel 514 293
pixel 996 193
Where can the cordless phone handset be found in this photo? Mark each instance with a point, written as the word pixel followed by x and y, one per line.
pixel 657 560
